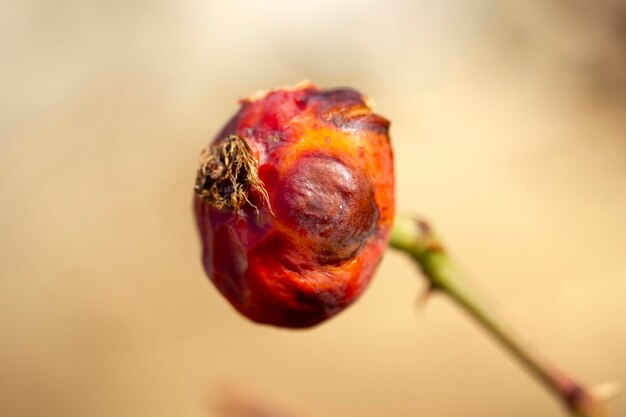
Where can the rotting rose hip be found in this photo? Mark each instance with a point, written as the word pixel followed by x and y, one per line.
pixel 294 203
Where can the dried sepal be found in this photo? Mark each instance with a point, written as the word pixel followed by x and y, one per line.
pixel 227 173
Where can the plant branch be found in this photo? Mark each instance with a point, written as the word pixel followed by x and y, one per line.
pixel 417 239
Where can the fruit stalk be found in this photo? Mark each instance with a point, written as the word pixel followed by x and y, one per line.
pixel 417 239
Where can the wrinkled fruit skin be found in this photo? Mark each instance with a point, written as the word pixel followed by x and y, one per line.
pixel 326 163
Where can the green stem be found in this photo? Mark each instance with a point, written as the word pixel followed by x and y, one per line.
pixel 416 239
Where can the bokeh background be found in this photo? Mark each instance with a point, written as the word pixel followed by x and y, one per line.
pixel 509 129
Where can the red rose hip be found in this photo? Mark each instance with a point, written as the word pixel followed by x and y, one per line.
pixel 294 200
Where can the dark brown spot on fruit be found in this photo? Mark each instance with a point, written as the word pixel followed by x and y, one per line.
pixel 346 109
pixel 329 204
pixel 337 97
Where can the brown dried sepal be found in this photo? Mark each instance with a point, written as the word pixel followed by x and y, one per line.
pixel 227 173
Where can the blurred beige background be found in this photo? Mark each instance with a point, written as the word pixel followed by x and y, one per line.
pixel 510 134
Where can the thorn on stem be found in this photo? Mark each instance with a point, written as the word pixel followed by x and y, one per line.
pixel 424 296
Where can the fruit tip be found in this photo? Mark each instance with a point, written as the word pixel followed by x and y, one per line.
pixel 261 94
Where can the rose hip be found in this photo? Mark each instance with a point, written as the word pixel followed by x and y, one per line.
pixel 294 202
